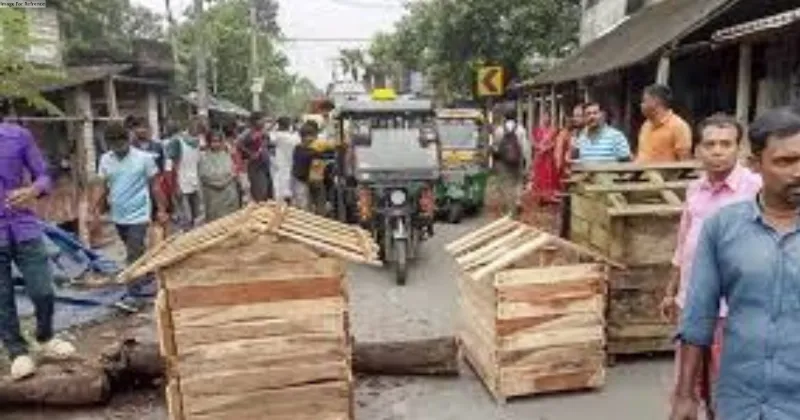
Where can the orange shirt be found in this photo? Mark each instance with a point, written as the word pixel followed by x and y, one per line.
pixel 668 140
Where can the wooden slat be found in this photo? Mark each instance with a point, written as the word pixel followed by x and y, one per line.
pixel 174 401
pixel 333 250
pixel 493 251
pixel 669 196
pixel 635 187
pixel 647 210
pixel 549 275
pixel 510 257
pixel 635 167
pixel 221 316
pixel 239 294
pixel 617 200
pixel 478 236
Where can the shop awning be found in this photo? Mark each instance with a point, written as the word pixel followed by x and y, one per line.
pixel 757 27
pixel 634 40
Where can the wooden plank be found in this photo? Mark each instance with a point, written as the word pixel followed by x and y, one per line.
pixel 174 401
pixel 238 294
pixel 164 325
pixel 269 404
pixel 552 355
pixel 549 275
pixel 521 326
pixel 514 310
pixel 259 353
pixel 221 316
pixel 635 187
pixel 551 338
pixel 517 384
pixel 332 324
pixel 617 200
pixel 578 168
pixel 502 262
pixel 351 244
pixel 232 382
pixel 669 196
pixel 333 250
pixel 478 236
pixel 647 210
pixel 486 251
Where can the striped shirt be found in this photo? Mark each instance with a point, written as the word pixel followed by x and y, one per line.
pixel 606 145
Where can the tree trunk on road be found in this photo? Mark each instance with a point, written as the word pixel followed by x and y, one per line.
pixel 437 356
pixel 72 383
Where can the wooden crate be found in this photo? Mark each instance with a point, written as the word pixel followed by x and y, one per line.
pixel 252 316
pixel 631 214
pixel 531 310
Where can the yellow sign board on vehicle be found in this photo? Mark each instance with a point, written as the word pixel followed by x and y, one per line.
pixel 491 81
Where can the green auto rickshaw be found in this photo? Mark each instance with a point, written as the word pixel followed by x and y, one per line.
pixel 465 163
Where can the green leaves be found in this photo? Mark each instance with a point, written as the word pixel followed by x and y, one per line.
pixel 449 39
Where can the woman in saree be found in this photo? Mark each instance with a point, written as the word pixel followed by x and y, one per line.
pixel 218 179
pixel 544 177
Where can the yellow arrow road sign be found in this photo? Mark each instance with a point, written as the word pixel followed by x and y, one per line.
pixel 490 81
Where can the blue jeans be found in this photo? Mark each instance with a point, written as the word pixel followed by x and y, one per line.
pixel 134 238
pixel 32 262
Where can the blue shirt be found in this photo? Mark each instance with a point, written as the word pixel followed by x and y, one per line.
pixel 757 271
pixel 606 145
pixel 128 182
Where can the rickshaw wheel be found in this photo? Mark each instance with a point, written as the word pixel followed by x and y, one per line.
pixel 400 263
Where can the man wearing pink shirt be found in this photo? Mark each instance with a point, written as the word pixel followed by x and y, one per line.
pixel 725 181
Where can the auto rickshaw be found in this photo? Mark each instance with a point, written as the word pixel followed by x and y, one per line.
pixel 392 164
pixel 465 172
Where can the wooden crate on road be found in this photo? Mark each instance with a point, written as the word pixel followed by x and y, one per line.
pixel 631 213
pixel 252 316
pixel 532 310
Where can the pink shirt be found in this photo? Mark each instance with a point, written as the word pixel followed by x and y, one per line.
pixel 703 199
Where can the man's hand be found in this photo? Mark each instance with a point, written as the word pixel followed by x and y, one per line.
pixel 669 309
pixel 684 408
pixel 22 197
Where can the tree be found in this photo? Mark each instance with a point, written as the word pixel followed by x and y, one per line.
pixel 352 61
pixel 449 39
pixel 104 28
pixel 19 78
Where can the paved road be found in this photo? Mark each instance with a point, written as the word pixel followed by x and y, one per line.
pixel 426 307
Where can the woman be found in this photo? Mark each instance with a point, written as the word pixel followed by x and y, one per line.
pixel 218 179
pixel 544 179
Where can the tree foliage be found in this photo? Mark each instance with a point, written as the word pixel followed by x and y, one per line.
pixel 448 40
pixel 20 78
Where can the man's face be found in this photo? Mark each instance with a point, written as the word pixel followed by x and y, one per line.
pixel 649 105
pixel 578 117
pixel 718 148
pixel 141 133
pixel 594 116
pixel 120 148
pixel 779 166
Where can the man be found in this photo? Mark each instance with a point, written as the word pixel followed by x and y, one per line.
pixel 724 181
pixel 512 161
pixel 599 142
pixel 185 153
pixel 130 186
pixel 284 140
pixel 21 244
pixel 253 146
pixel 303 156
pixel 142 139
pixel 566 138
pixel 664 137
pixel 747 255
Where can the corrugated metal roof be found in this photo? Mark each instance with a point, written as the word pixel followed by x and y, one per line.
pixel 757 26
pixel 634 40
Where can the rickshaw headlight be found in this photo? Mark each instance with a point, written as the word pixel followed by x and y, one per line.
pixel 398 197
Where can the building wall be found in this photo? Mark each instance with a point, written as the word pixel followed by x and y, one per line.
pixel 600 16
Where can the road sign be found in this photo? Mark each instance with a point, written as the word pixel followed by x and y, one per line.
pixel 490 81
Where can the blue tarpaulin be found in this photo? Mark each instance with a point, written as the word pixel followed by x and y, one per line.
pixel 70 259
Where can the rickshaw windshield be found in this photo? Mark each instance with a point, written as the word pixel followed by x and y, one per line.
pixel 458 133
pixel 396 150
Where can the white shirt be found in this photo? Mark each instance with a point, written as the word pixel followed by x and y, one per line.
pixel 281 164
pixel 188 166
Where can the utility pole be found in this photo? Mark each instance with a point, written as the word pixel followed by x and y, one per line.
pixel 173 40
pixel 255 74
pixel 201 57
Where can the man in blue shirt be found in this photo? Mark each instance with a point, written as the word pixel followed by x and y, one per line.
pixel 600 142
pixel 749 255
pixel 129 176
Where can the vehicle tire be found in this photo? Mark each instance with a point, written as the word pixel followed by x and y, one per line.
pixel 455 212
pixel 401 262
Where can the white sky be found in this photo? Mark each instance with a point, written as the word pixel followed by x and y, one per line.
pixel 319 19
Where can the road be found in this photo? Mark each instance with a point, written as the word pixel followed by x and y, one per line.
pixel 426 307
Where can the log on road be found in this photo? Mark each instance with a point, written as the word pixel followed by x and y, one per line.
pixel 136 364
pixel 436 356
pixel 58 383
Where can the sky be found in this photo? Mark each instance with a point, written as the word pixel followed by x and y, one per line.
pixel 329 19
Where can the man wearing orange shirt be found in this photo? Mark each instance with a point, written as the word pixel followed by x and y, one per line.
pixel 665 137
